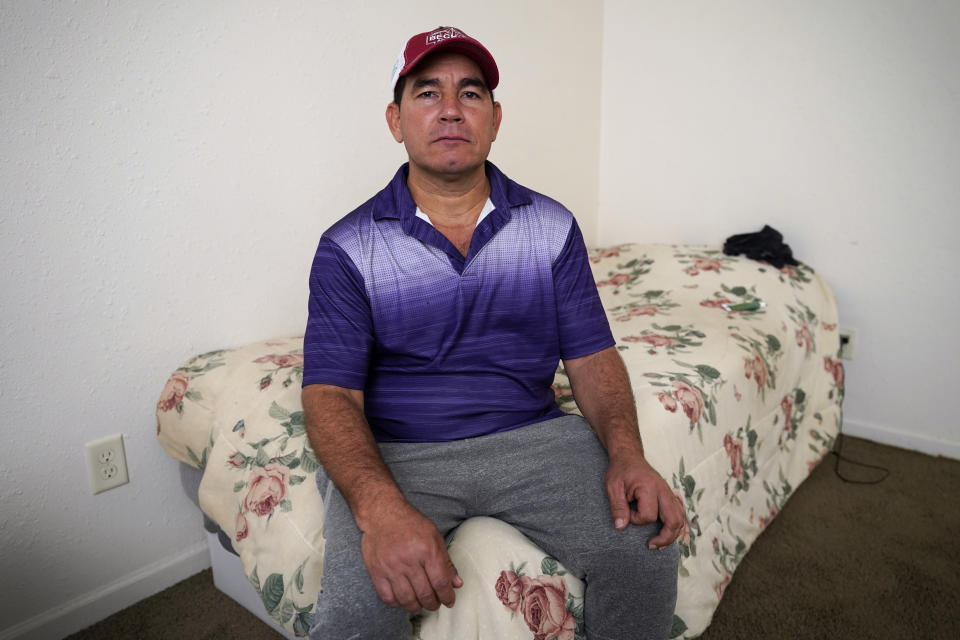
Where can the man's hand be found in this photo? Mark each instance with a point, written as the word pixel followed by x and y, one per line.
pixel 602 390
pixel 408 561
pixel 631 478
pixel 404 553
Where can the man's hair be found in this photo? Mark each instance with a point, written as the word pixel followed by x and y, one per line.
pixel 402 83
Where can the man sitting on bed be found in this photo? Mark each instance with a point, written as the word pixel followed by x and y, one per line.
pixel 438 313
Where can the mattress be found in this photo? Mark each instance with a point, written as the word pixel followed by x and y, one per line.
pixel 738 388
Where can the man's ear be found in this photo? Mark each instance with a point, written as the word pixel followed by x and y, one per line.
pixel 393 121
pixel 497 116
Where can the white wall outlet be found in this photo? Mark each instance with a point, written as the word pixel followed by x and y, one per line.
pixel 848 343
pixel 106 463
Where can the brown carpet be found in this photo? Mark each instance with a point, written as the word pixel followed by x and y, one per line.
pixel 841 560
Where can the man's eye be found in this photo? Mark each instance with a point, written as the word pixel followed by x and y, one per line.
pixel 471 95
pixel 427 94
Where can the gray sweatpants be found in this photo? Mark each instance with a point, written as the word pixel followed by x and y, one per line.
pixel 544 479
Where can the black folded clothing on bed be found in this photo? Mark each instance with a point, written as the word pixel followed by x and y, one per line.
pixel 766 245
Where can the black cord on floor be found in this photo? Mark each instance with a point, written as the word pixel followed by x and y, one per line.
pixel 839 457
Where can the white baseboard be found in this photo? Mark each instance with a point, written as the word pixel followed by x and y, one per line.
pixel 85 610
pixel 902 439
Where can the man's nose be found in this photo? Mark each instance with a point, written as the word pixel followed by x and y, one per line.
pixel 451 110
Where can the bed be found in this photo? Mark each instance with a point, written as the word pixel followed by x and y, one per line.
pixel 737 405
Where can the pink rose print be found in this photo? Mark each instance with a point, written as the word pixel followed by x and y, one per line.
pixel 702 264
pixel 835 368
pixel 707 264
pixel 242 528
pixel 283 360
pixel 173 391
pixel 509 589
pixel 787 406
pixel 690 399
pixel 617 280
pixel 789 271
pixel 734 450
pixel 236 460
pixel 644 310
pixel 828 326
pixel 668 401
pixel 715 303
pixel 268 487
pixel 544 608
pixel 613 252
pixel 766 521
pixel 756 368
pixel 721 586
pixel 803 338
pixel 656 340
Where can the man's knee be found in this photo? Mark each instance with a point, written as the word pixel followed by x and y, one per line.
pixel 632 589
pixel 348 616
pixel 628 555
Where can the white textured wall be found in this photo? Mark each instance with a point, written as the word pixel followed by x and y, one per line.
pixel 838 123
pixel 165 172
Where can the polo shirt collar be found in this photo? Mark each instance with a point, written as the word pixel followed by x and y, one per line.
pixel 396 202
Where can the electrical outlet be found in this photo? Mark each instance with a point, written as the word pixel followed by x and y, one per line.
pixel 848 343
pixel 106 463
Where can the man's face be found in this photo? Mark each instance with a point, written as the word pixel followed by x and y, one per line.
pixel 446 119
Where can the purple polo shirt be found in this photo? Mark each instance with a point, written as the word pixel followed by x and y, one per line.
pixel 446 347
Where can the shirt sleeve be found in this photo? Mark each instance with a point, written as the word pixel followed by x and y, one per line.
pixel 339 336
pixel 581 319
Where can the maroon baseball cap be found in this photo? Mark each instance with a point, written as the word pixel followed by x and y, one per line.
pixel 444 39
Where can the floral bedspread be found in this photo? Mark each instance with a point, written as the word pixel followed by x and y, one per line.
pixel 736 408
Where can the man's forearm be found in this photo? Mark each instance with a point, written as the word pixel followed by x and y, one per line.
pixel 637 493
pixel 601 387
pixel 344 444
pixel 404 553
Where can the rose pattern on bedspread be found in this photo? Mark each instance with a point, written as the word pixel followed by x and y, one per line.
pixel 685 486
pixel 760 363
pixel 672 339
pixel 796 275
pixel 280 361
pixel 268 469
pixel 697 262
pixel 803 319
pixel 544 602
pixel 275 593
pixel 177 388
pixel 741 448
pixel 651 302
pixel 626 275
pixel 694 393
pixel 720 395
pixel 793 407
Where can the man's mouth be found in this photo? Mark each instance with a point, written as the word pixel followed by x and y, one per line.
pixel 451 139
